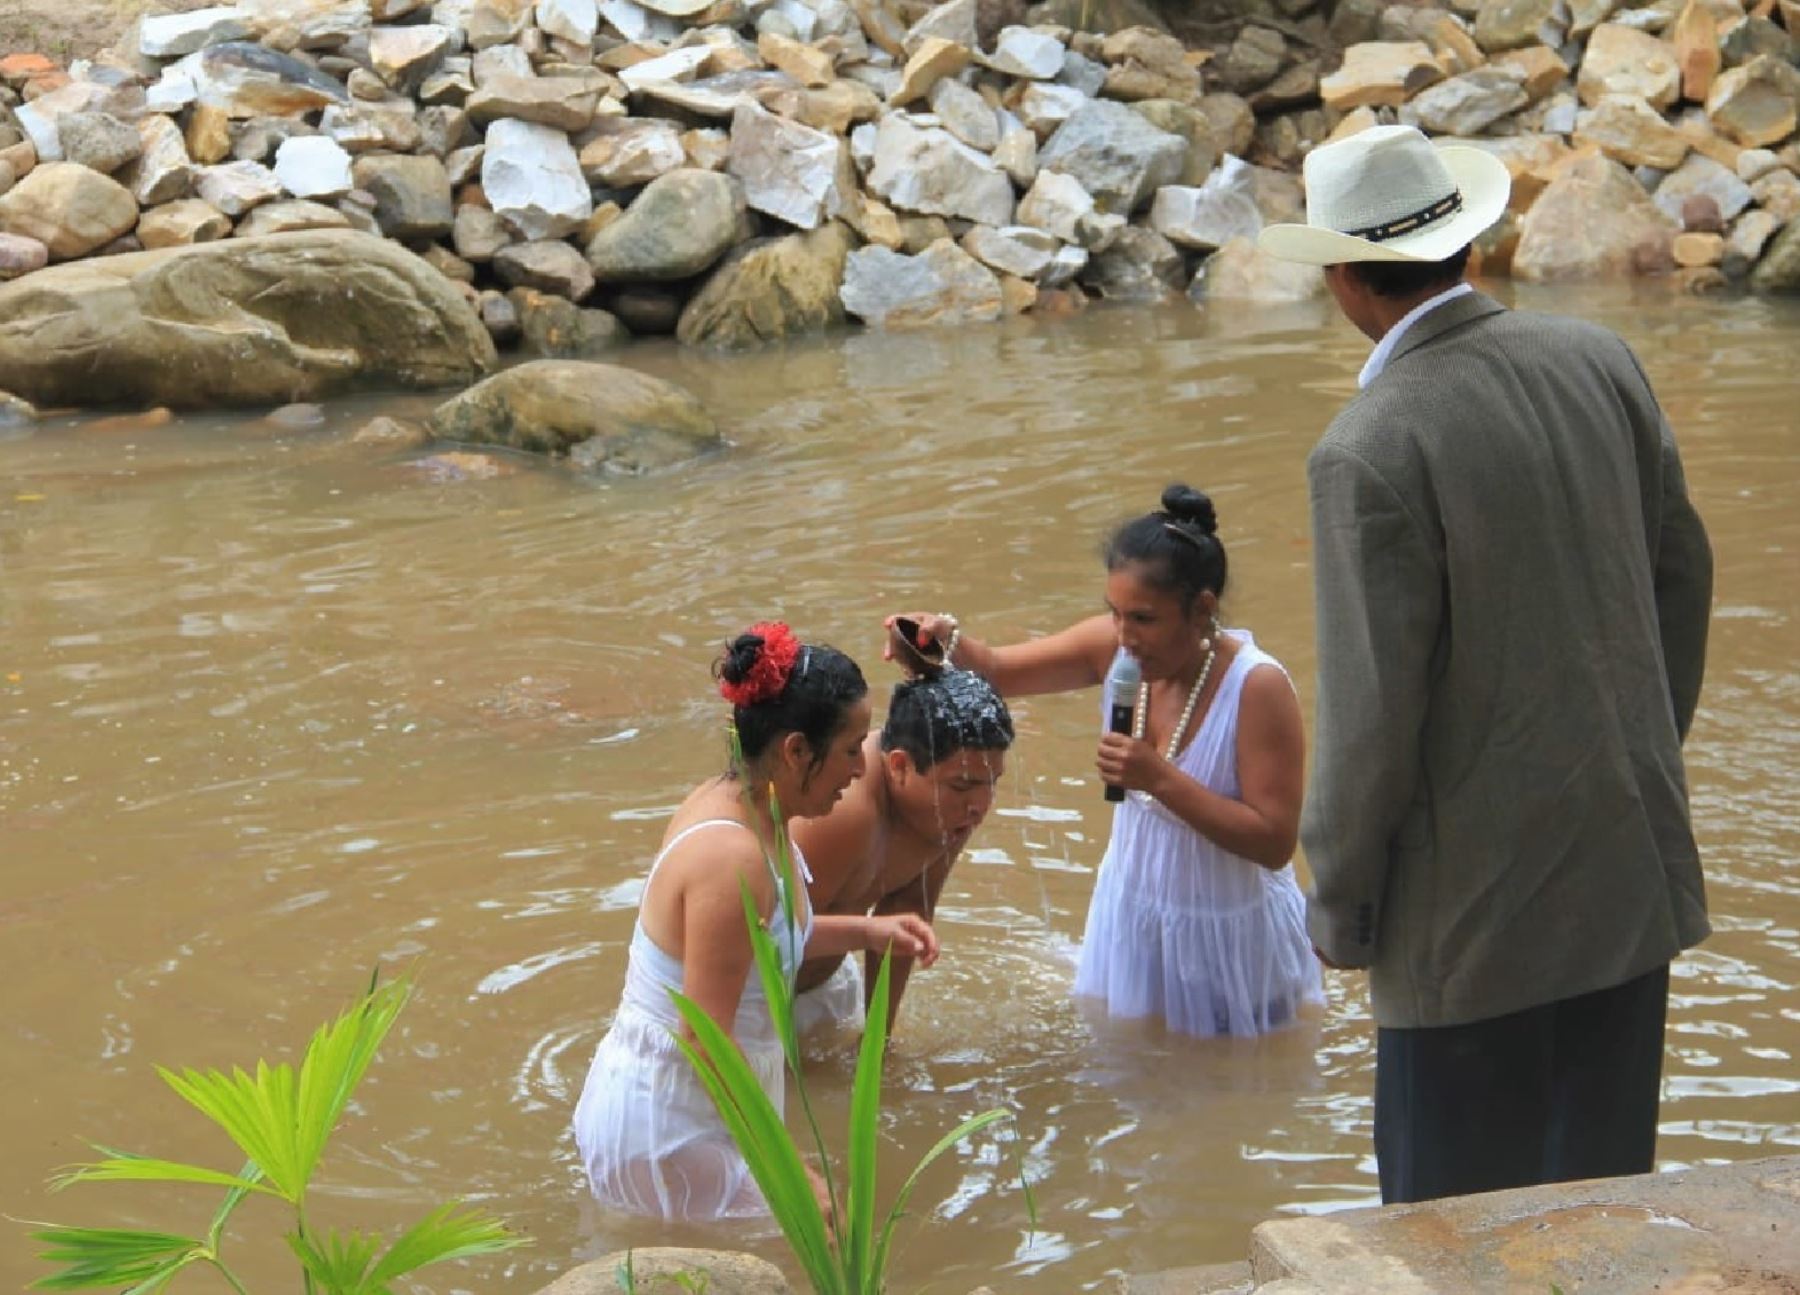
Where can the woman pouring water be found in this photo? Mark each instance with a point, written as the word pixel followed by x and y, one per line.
pixel 1196 916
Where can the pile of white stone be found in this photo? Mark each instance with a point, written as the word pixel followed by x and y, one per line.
pixel 735 170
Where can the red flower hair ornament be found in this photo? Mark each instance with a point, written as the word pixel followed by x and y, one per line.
pixel 774 665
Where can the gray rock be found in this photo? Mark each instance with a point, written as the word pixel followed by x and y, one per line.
pixel 1059 205
pixel 571 20
pixel 790 171
pixel 1082 73
pixel 556 328
pixel 716 96
pixel 404 56
pixel 1210 216
pixel 477 234
pixel 1046 107
pixel 647 309
pixel 625 152
pixel 941 285
pixel 1017 155
pixel 1022 52
pixel 163 171
pixel 236 187
pixel 533 179
pixel 627 421
pixel 954 21
pixel 176 34
pixel 499 62
pixel 1699 174
pixel 257 139
pixel 966 115
pixel 442 129
pixel 1466 104
pixel 412 194
pixel 98 141
pixel 1023 251
pixel 391 127
pixel 290 217
pixel 681 223
pixel 932 172
pixel 1138 265
pixel 548 101
pixel 549 267
pixel 1120 158
pixel 247 80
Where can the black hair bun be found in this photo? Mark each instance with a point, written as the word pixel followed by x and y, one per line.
pixel 741 656
pixel 1185 504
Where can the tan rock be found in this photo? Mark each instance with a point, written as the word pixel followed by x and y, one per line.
pixel 19 256
pixel 1623 60
pixel 1354 122
pixel 1696 40
pixel 881 26
pixel 1241 271
pixel 769 289
pixel 1585 15
pixel 1697 129
pixel 837 107
pixel 289 218
pixel 1756 104
pixel 1561 239
pixel 706 149
pixel 70 209
pixel 1016 295
pixel 1380 74
pixel 1541 70
pixel 1698 249
pixel 1628 130
pixel 546 101
pixel 807 64
pixel 875 223
pixel 935 59
pixel 656 1269
pixel 1778 193
pixel 1453 43
pixel 180 224
pixel 1514 24
pixel 208 135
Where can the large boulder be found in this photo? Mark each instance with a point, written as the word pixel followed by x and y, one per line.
pixel 655 1268
pixel 1560 239
pixel 1241 271
pixel 238 322
pixel 681 223
pixel 770 289
pixel 599 415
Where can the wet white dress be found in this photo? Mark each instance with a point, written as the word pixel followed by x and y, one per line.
pixel 649 1136
pixel 1185 930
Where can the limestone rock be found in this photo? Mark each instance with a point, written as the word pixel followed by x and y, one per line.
pixel 788 170
pixel 953 21
pixel 412 194
pixel 533 179
pixel 1539 69
pixel 1466 104
pixel 1046 107
pixel 807 64
pixel 770 289
pixel 1620 60
pixel 69 209
pixel 930 171
pixel 241 79
pixel 1240 271
pixel 1561 239
pixel 174 35
pixel 1148 64
pixel 619 420
pixel 1120 158
pixel 1380 74
pixel 681 223
pixel 404 56
pixel 307 24
pixel 1629 130
pixel 1252 60
pixel 547 101
pixel 313 166
pixel 1512 24
pixel 966 115
pixel 1207 217
pixel 677 65
pixel 625 152
pixel 181 223
pixel 552 267
pixel 240 321
pixel 162 172
pixel 97 140
pixel 934 60
pixel 1756 104
pixel 941 285
pixel 1233 122
pixel 1139 265
pixel 1746 241
pixel 1017 155
pixel 477 234
pixel 289 218
pixel 1701 176
pixel 1059 205
pixel 575 21
pixel 1022 52
pixel 1023 251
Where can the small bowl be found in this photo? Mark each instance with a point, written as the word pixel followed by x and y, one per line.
pixel 903 635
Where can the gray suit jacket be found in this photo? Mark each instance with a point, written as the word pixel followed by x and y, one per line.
pixel 1512 593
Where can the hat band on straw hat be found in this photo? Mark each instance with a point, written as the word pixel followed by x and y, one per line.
pixel 1407 224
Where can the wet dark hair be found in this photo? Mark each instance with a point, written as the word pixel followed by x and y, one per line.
pixel 934 716
pixel 1409 278
pixel 1178 547
pixel 821 687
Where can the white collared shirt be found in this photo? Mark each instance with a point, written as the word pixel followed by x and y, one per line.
pixel 1378 358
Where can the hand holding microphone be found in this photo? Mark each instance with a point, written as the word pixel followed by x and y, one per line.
pixel 1122 683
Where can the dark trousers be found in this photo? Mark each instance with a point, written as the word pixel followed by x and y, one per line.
pixel 1551 1094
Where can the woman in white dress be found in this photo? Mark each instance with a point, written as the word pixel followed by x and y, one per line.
pixel 1196 916
pixel 649 1136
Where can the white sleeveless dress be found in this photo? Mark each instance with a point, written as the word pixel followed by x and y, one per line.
pixel 648 1133
pixel 1185 930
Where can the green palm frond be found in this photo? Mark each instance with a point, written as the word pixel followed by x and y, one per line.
pixel 451 1231
pixel 340 1262
pixel 94 1258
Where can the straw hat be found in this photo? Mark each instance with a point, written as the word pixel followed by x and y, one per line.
pixel 1388 194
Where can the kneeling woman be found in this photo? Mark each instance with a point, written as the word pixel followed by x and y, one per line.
pixel 649 1135
pixel 1196 916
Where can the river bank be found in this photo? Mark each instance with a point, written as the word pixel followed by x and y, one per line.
pixel 578 172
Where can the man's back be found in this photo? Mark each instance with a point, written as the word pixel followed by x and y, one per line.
pixel 1508 499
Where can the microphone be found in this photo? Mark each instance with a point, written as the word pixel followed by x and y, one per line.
pixel 1122 683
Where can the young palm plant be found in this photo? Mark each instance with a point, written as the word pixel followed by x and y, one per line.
pixel 281 1120
pixel 842 1254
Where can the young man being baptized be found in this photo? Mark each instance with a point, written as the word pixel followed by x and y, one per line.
pixel 889 844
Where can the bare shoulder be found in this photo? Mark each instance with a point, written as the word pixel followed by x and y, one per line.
pixel 839 845
pixel 1268 697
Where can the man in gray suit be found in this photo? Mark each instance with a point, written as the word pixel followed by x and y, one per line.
pixel 1512 592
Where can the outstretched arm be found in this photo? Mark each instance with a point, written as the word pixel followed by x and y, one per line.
pixel 1068 660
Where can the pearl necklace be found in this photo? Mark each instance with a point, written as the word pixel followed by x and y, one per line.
pixel 1142 713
